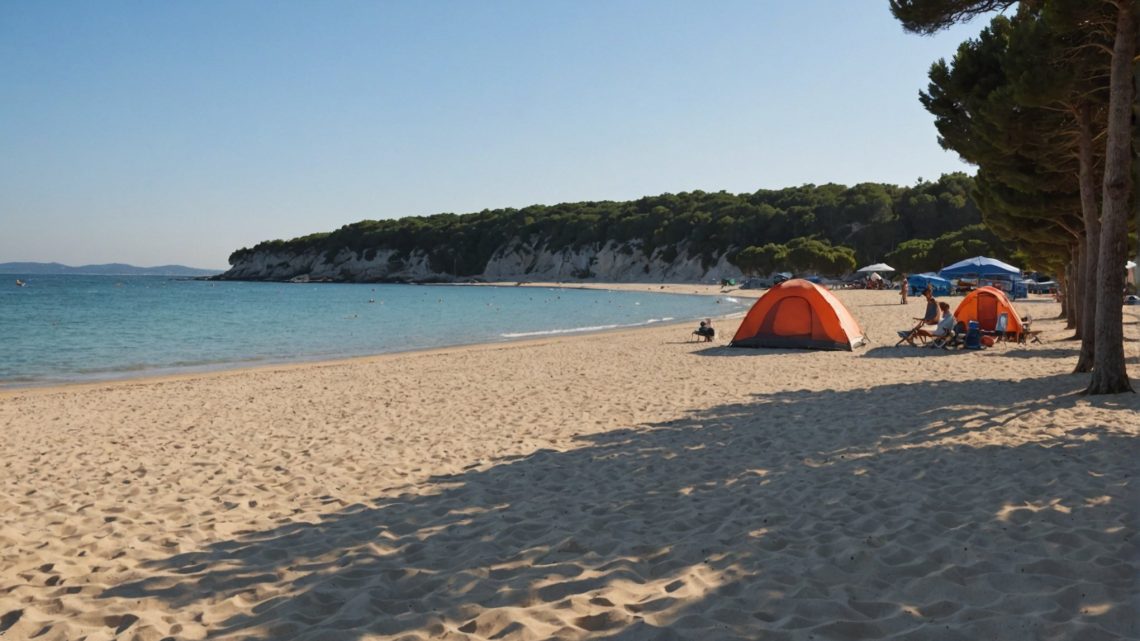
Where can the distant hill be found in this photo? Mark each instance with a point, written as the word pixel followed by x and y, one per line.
pixel 827 230
pixel 109 269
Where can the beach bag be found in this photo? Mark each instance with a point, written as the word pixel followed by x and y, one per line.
pixel 973 335
pixel 988 341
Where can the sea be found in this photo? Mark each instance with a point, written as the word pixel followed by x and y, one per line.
pixel 71 328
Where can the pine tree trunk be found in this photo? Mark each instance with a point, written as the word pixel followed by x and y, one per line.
pixel 1076 276
pixel 1070 308
pixel 1109 374
pixel 1063 288
pixel 1136 163
pixel 1087 288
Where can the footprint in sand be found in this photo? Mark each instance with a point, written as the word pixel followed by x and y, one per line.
pixel 9 619
pixel 120 622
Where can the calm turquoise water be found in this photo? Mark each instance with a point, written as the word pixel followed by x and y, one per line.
pixel 71 328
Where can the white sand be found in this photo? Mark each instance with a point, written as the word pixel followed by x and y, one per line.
pixel 626 485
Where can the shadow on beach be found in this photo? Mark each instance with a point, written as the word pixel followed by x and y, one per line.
pixel 766 519
pixel 728 350
pixel 909 351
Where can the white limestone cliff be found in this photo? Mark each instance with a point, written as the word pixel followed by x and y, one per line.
pixel 518 260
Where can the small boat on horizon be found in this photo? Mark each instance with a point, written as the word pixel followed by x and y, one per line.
pixel 20 283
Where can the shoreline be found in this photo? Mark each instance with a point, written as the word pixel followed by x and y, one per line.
pixel 162 374
pixel 242 368
pixel 690 289
pixel 364 359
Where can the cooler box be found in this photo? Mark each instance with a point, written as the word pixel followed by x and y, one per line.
pixel 973 335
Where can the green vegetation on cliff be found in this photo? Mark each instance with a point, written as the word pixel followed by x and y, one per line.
pixel 819 228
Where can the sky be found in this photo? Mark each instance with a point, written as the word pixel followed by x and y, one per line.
pixel 177 132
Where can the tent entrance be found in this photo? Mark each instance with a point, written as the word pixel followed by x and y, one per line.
pixel 790 317
pixel 987 311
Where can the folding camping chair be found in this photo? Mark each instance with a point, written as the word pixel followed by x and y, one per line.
pixel 1000 328
pixel 1028 334
pixel 909 336
pixel 953 340
pixel 919 332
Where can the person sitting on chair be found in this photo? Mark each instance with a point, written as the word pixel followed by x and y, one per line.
pixel 946 325
pixel 705 331
pixel 949 332
pixel 931 317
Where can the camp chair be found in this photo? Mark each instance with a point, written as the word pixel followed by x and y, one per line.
pixel 953 340
pixel 999 331
pixel 909 336
pixel 706 333
pixel 1028 334
pixel 917 332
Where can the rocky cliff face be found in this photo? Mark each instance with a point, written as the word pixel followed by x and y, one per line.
pixel 609 263
pixel 517 260
pixel 346 266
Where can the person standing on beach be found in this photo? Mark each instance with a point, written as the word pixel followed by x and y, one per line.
pixel 903 289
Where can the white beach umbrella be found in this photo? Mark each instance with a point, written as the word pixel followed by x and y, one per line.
pixel 877 267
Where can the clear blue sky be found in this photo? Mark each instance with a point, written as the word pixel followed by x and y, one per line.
pixel 177 132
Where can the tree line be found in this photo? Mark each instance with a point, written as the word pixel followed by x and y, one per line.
pixel 1042 102
pixel 823 229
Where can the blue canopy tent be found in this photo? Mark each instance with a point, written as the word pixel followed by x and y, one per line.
pixel 1001 275
pixel 940 286
pixel 979 266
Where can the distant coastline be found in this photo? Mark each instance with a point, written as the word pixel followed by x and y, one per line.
pixel 106 269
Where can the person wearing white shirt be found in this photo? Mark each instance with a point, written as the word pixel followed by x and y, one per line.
pixel 946 325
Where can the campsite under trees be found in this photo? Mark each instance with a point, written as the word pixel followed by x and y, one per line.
pixel 1042 103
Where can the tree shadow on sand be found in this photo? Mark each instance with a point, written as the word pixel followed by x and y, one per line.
pixel 911 351
pixel 775 518
pixel 1055 352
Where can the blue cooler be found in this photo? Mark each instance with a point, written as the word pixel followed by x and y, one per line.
pixel 973 335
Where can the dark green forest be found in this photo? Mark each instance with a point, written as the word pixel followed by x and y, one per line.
pixel 826 229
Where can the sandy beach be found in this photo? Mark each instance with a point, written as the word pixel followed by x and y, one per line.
pixel 623 485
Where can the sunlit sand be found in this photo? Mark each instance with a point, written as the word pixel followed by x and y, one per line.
pixel 630 484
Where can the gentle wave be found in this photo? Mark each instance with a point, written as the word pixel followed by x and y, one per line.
pixel 78 329
pixel 574 330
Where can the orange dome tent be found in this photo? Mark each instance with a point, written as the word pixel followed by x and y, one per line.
pixel 798 313
pixel 984 305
